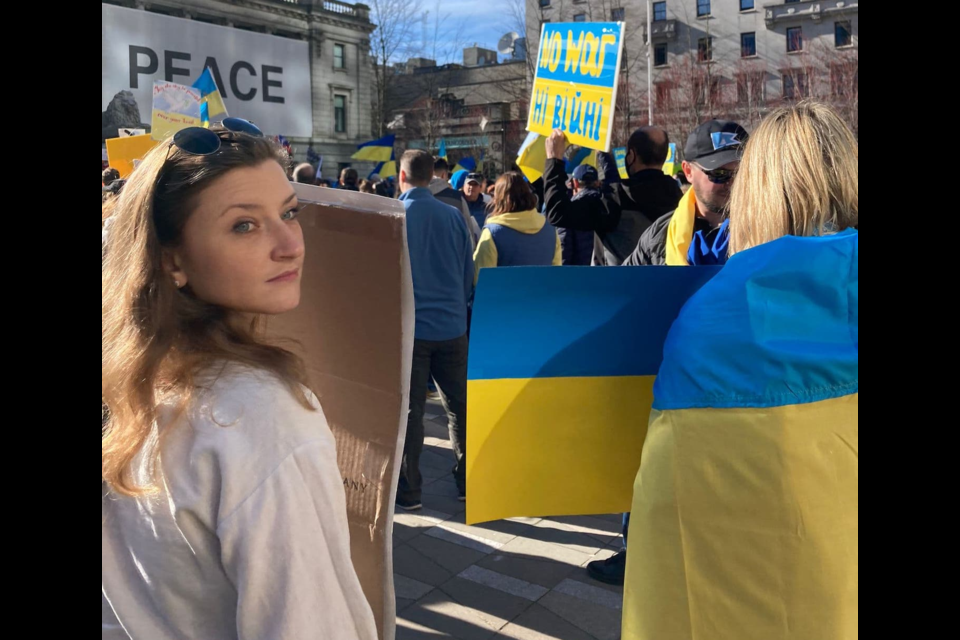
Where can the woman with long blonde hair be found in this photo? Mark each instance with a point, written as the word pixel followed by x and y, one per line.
pixel 747 501
pixel 223 511
pixel 799 177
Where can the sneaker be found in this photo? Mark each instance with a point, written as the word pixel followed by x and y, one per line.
pixel 609 571
pixel 409 505
pixel 433 395
pixel 462 495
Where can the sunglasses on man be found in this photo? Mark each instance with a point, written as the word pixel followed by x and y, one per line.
pixel 717 176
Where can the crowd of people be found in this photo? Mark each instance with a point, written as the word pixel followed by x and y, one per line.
pixel 199 243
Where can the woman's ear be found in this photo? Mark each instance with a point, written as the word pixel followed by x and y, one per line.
pixel 171 262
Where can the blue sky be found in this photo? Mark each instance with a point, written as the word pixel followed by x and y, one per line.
pixel 482 22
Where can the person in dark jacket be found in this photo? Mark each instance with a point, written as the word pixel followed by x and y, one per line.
pixel 697 232
pixel 629 207
pixel 578 245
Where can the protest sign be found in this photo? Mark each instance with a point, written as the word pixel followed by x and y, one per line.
pixel 575 88
pixel 175 107
pixel 125 154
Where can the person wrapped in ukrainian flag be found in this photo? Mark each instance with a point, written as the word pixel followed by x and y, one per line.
pixel 745 511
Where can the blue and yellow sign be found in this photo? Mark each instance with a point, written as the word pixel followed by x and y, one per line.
pixel 575 89
pixel 558 409
pixel 620 155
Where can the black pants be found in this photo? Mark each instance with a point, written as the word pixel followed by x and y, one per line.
pixel 446 362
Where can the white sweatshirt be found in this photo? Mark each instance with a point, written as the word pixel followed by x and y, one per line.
pixel 248 540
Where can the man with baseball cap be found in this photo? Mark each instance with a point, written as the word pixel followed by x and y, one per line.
pixel 697 232
pixel 476 199
pixel 629 208
pixel 578 246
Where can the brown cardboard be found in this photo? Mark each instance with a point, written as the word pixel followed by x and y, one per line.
pixel 354 329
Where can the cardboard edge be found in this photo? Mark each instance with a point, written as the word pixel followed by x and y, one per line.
pixel 408 325
pixel 354 200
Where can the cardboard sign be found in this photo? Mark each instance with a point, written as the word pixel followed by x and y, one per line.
pixel 175 107
pixel 125 153
pixel 575 88
pixel 354 330
pixel 561 411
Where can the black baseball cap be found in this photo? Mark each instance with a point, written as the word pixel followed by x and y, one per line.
pixel 715 144
pixel 586 173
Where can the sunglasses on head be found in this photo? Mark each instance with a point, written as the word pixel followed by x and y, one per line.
pixel 198 141
pixel 718 176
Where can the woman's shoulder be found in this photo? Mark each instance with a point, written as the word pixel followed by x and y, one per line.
pixel 241 425
pixel 238 408
pixel 777 326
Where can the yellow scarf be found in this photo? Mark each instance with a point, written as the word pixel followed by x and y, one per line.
pixel 680 232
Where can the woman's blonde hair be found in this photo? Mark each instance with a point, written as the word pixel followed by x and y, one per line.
pixel 155 338
pixel 799 176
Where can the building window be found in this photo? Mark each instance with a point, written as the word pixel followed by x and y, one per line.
pixel 751 88
pixel 794 39
pixel 660 55
pixel 748 5
pixel 340 114
pixel 618 15
pixel 544 4
pixel 843 34
pixel 703 8
pixel 705 49
pixel 748 45
pixel 580 17
pixel 795 85
pixel 845 79
pixel 659 11
pixel 339 56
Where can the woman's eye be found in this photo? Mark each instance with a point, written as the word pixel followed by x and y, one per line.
pixel 243 227
pixel 291 215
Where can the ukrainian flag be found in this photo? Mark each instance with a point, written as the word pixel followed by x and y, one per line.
pixel 212 108
pixel 583 156
pixel 386 169
pixel 442 152
pixel 560 385
pixel 746 506
pixel 376 150
pixel 532 158
pixel 468 164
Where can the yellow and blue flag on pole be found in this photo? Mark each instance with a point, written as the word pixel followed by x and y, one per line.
pixel 376 150
pixel 746 506
pixel 561 370
pixel 386 169
pixel 468 164
pixel 212 108
pixel 442 152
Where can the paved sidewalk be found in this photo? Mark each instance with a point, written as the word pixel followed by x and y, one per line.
pixel 520 579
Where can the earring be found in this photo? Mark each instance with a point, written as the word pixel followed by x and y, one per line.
pixel 176 283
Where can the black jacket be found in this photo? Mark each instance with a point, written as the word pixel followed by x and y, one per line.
pixel 578 246
pixel 628 210
pixel 596 214
pixel 652 248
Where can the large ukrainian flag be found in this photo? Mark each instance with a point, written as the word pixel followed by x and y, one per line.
pixel 560 385
pixel 746 508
